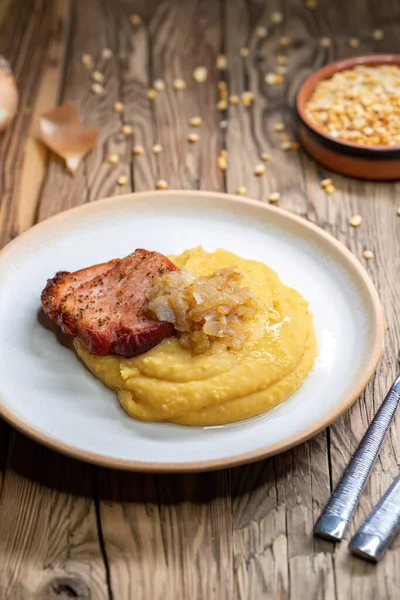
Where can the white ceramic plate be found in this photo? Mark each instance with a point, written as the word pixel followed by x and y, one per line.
pixel 50 396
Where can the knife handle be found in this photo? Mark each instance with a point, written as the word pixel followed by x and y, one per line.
pixel 337 514
pixel 380 527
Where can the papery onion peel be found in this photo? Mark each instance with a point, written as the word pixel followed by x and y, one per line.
pixel 8 94
pixel 62 131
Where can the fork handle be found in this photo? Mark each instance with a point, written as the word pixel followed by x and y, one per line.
pixel 380 527
pixel 337 514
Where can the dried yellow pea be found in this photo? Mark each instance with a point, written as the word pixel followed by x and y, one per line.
pixel 259 170
pixel 274 197
pixel 195 121
pixel 241 190
pixel 200 74
pixel 122 180
pixel 162 184
pixel 355 220
pixel 119 106
pixel 112 159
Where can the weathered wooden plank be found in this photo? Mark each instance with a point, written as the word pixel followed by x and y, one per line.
pixel 300 192
pixel 49 545
pixel 275 554
pixel 275 503
pixel 182 38
pixel 34 165
pixel 169 535
pixel 25 29
pixel 380 232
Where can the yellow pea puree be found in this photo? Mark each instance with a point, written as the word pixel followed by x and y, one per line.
pixel 169 383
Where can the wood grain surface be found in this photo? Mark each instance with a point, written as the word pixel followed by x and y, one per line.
pixel 69 530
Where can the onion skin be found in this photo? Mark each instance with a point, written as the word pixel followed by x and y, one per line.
pixel 62 131
pixel 8 94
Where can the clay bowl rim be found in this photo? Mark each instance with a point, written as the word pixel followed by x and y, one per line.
pixel 327 71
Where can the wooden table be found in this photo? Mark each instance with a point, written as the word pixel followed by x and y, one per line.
pixel 71 530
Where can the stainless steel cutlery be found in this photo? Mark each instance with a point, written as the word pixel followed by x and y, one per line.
pixel 384 521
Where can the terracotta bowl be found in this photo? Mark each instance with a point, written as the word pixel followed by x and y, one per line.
pixel 364 162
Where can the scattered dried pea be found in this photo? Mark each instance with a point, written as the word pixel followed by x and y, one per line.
pixel 324 182
pixel 398 211
pixel 106 53
pixel 259 170
pixel 119 106
pixel 179 85
pixel 265 157
pixel 325 42
pixel 273 78
pixel 247 98
pixel 156 148
pixel 122 180
pixel 284 41
pixel 138 150
pixel 200 74
pixel 113 159
pixel 327 185
pixel 162 184
pixel 241 190
pixel 87 61
pixel 223 90
pixel 222 160
pixel 244 52
pixel 222 105
pixel 261 32
pixel 277 18
pixel 354 42
pixel 281 60
pixel 222 62
pixel 355 220
pixel 274 197
pixel 135 19
pixel 368 254
pixel 159 85
pixel 234 100
pixel 311 4
pixel 378 34
pixel 278 127
pixel 329 189
pixel 97 89
pixel 151 94
pixel 195 121
pixel 127 129
pixel 193 138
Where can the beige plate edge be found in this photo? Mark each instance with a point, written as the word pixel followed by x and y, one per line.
pixel 239 459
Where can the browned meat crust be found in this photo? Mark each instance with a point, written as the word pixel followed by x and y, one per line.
pixel 105 305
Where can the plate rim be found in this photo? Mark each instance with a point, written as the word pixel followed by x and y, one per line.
pixel 244 457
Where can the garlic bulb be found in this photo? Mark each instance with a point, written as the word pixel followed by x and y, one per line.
pixel 62 131
pixel 8 94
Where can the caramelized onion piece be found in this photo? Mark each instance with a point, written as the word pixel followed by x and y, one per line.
pixel 8 94
pixel 62 131
pixel 203 310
